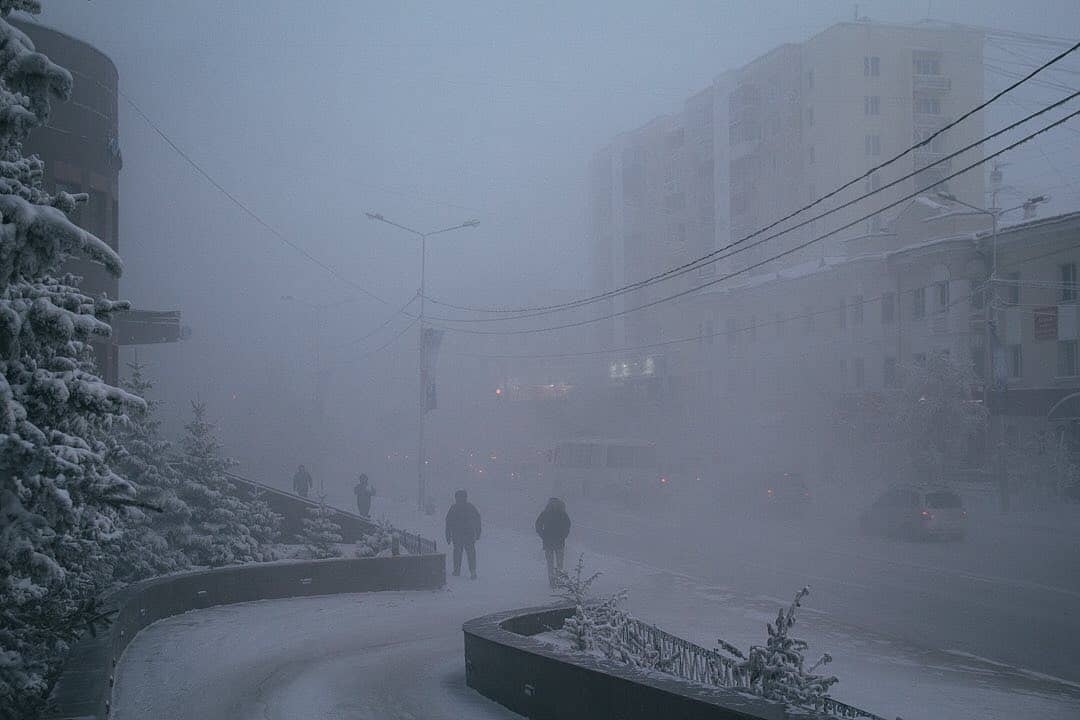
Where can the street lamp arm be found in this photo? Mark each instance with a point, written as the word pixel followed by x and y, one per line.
pixel 466 224
pixel 380 218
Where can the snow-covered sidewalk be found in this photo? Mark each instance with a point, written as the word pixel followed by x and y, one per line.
pixel 400 654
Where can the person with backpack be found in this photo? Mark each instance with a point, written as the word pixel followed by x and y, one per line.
pixel 553 527
pixel 463 530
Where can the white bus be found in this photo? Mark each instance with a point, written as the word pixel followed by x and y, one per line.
pixel 625 471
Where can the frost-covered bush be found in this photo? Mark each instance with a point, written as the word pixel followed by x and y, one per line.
pixel 377 543
pixel 321 534
pixel 226 528
pixel 59 499
pixel 778 670
pixel 597 623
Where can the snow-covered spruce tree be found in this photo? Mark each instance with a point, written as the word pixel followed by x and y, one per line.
pixel 321 533
pixel 156 532
pixel 777 671
pixel 225 527
pixel 58 496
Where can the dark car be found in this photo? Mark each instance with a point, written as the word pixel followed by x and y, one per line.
pixel 916 512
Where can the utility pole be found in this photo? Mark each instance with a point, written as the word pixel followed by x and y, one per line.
pixel 421 460
pixel 989 301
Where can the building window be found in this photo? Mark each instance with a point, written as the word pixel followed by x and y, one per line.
pixel 857 310
pixel 927 63
pixel 918 303
pixel 1068 358
pixel 871 105
pixel 889 373
pixel 1068 282
pixel 1016 361
pixel 871 66
pixel 942 290
pixel 888 308
pixel 860 373
pixel 927 105
pixel 873 145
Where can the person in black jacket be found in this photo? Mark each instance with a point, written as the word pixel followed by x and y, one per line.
pixel 553 526
pixel 463 530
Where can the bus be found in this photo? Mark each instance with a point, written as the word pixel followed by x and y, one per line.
pixel 624 471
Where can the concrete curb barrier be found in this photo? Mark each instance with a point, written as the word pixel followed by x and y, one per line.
pixel 83 690
pixel 504 663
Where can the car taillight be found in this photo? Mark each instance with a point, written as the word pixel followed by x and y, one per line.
pixel 926 515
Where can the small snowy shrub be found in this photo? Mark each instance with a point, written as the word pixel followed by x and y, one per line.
pixel 778 670
pixel 321 533
pixel 597 623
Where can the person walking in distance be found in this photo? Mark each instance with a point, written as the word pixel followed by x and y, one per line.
pixel 364 493
pixel 302 481
pixel 553 526
pixel 463 530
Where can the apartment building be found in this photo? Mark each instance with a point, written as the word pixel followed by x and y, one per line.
pixel 779 132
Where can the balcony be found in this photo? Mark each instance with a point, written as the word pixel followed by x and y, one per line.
pixel 931 83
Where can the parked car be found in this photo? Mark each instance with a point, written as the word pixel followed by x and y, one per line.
pixel 916 512
pixel 787 492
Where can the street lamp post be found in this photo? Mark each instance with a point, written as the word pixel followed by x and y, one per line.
pixel 988 303
pixel 421 461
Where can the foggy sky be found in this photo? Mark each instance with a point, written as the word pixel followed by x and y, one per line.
pixel 312 113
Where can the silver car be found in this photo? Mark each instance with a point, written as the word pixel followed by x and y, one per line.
pixel 916 512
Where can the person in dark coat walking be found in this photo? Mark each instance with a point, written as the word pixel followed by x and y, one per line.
pixel 553 526
pixel 364 493
pixel 463 530
pixel 302 481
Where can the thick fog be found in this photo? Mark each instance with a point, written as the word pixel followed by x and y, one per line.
pixel 257 134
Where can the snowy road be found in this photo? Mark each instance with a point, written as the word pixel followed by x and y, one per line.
pixel 399 655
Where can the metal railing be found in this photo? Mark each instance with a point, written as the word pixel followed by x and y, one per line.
pixel 413 543
pixel 679 657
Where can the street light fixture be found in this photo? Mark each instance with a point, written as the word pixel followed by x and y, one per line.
pixel 420 456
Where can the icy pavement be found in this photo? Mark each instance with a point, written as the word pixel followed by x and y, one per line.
pixel 399 655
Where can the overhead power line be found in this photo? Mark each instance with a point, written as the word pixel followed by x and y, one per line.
pixel 716 256
pixel 690 265
pixel 779 255
pixel 247 210
pixel 977 290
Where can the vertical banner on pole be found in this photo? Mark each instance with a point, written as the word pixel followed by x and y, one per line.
pixel 430 343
